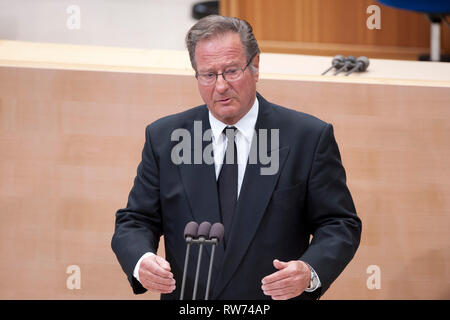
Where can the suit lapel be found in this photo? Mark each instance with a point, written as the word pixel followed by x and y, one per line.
pixel 254 197
pixel 199 179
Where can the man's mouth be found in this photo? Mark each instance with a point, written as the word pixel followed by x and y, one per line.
pixel 226 100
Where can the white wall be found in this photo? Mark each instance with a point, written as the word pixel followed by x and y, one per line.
pixel 153 24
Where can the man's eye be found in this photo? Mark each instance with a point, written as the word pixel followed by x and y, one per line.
pixel 209 75
pixel 231 71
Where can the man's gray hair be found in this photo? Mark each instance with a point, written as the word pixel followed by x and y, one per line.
pixel 215 25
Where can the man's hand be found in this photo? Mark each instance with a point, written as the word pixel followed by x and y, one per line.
pixel 291 279
pixel 155 275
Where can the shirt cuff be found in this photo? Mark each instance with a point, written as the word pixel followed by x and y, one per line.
pixel 138 264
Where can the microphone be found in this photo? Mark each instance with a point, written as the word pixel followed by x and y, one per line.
pixel 190 232
pixel 361 65
pixel 215 235
pixel 202 234
pixel 348 62
pixel 337 62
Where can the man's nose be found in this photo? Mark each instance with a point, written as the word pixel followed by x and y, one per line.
pixel 221 84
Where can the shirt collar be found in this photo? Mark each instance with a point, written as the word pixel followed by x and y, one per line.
pixel 246 125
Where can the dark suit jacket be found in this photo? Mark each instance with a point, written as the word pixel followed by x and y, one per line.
pixel 275 215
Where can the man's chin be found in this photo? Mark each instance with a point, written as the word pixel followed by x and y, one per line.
pixel 226 112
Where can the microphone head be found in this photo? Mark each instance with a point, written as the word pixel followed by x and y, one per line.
pixel 217 231
pixel 351 59
pixel 338 61
pixel 191 229
pixel 350 62
pixel 364 63
pixel 203 229
pixel 339 58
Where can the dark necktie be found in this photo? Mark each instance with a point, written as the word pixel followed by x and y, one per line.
pixel 227 184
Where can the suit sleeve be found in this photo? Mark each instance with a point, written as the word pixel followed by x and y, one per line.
pixel 332 217
pixel 138 226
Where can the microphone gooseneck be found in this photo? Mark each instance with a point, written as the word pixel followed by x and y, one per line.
pixel 190 232
pixel 337 62
pixel 203 234
pixel 215 235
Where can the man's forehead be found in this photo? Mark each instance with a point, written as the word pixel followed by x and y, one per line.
pixel 227 50
pixel 228 40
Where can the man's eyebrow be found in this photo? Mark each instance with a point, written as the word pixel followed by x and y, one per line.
pixel 226 66
pixel 206 71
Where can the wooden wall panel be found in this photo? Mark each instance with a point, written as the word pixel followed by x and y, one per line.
pixel 70 142
pixel 328 27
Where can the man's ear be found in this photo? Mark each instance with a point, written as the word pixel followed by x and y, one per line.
pixel 255 64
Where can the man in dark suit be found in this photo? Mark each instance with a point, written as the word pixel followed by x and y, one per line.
pixel 285 183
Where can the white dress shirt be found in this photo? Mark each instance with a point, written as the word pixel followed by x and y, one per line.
pixel 243 137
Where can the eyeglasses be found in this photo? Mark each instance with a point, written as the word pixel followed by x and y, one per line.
pixel 229 75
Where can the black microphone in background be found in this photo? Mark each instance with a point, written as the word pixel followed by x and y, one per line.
pixel 215 235
pixel 361 65
pixel 337 62
pixel 349 62
pixel 190 232
pixel 202 234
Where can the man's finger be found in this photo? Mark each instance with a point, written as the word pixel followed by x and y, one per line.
pixel 276 276
pixel 279 264
pixel 163 263
pixel 276 291
pixel 154 267
pixel 157 287
pixel 279 284
pixel 280 292
pixel 149 276
pixel 285 296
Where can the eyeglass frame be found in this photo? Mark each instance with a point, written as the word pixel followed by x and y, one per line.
pixel 222 74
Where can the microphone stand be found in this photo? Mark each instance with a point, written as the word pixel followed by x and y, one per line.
pixel 183 284
pixel 197 272
pixel 213 249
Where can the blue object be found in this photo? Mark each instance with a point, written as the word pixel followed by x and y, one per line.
pixel 424 6
pixel 435 11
